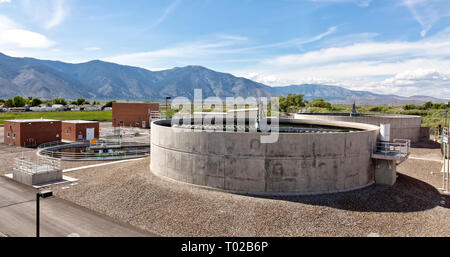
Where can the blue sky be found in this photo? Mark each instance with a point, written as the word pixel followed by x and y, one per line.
pixel 384 46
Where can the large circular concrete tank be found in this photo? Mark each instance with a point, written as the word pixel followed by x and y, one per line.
pixel 298 163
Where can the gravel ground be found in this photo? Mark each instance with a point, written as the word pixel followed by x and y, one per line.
pixel 129 192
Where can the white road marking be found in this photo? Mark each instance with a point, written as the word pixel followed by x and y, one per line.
pixel 98 165
pixel 425 159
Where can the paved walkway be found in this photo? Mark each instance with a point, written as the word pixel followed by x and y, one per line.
pixel 59 218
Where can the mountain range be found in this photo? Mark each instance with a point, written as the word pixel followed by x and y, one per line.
pixel 98 80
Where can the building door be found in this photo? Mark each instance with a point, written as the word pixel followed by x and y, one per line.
pixel 90 134
pixel 143 124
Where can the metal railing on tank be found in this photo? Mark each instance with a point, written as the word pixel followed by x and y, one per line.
pixel 398 150
pixel 101 150
pixel 398 147
pixel 50 144
pixel 115 155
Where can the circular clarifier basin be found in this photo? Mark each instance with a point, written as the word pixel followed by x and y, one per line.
pixel 307 157
pixel 84 151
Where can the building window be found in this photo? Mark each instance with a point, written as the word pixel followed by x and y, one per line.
pixel 14 135
pixel 7 134
pixel 67 131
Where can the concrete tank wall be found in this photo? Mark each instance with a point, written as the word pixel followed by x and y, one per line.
pixel 402 126
pixel 298 163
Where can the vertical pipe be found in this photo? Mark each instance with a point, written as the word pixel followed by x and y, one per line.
pixel 37 215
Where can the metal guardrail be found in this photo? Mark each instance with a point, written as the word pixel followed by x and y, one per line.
pixel 446 135
pixel 400 147
pixel 41 165
pixel 95 156
pixel 50 144
pixel 55 150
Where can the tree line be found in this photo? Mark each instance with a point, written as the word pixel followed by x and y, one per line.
pixel 293 102
pixel 19 101
pixel 426 106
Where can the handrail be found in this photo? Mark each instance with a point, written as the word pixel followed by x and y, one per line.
pixel 42 165
pixel 53 151
pixel 95 156
pixel 49 144
pixel 398 147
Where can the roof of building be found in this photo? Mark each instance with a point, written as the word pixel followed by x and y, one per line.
pixel 79 121
pixel 32 120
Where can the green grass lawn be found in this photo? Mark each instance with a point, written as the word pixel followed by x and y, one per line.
pixel 90 116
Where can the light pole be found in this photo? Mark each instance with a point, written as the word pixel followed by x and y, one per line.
pixel 42 194
pixel 167 98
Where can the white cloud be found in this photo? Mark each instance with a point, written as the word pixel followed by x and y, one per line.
pixel 92 48
pixel 48 13
pixel 428 12
pixel 216 48
pixel 420 82
pixel 5 1
pixel 13 36
pixel 59 11
pixel 167 12
pixel 392 67
pixel 297 42
pixel 400 67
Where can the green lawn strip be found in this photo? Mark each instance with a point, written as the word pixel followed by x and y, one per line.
pixel 89 116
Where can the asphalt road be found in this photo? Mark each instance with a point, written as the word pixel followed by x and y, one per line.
pixel 59 218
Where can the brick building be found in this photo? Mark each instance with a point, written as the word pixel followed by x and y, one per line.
pixel 75 130
pixel 133 114
pixel 31 133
